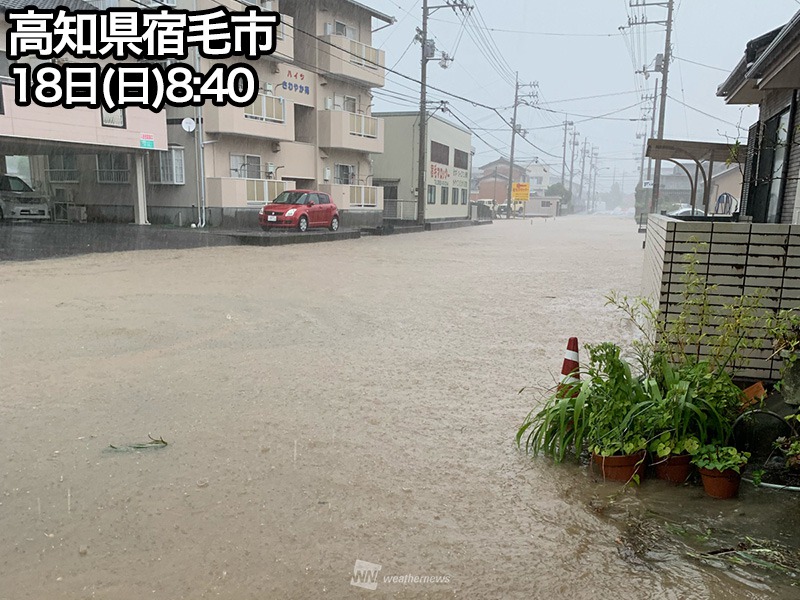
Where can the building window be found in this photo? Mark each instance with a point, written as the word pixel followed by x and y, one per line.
pixel 431 194
pixel 112 168
pixel 546 204
pixel 538 180
pixel 246 166
pixel 113 119
pixel 350 104
pixel 62 168
pixel 464 197
pixel 166 167
pixel 343 29
pixel 461 159
pixel 266 108
pixel 445 194
pixel 440 153
pixel 781 152
pixel 344 174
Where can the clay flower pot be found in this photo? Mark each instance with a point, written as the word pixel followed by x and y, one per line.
pixel 674 468
pixel 621 468
pixel 721 484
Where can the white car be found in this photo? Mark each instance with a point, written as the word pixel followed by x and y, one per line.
pixel 19 201
pixel 687 212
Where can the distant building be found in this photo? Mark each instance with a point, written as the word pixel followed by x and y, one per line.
pixel 447 171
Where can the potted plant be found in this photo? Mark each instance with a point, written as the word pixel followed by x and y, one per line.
pixel 617 434
pixel 784 329
pixel 720 468
pixel 672 456
pixel 594 414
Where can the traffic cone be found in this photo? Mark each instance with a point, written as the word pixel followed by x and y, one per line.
pixel 570 371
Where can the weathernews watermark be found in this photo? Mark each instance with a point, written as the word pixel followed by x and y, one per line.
pixel 367 575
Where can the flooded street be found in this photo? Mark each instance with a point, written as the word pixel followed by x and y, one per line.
pixel 329 403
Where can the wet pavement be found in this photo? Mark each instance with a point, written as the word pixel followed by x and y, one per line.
pixel 330 403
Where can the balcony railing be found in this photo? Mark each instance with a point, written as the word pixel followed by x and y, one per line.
pixel 363 125
pixel 363 196
pixel 266 108
pixel 113 175
pixel 62 175
pixel 261 191
pixel 364 56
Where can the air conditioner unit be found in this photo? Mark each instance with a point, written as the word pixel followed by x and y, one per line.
pixel 326 174
pixel 270 170
pixel 268 88
pixel 328 103
pixel 276 146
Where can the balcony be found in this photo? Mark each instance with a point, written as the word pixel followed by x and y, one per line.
pixel 343 57
pixel 269 117
pixel 238 192
pixel 62 175
pixel 355 196
pixel 36 128
pixel 350 131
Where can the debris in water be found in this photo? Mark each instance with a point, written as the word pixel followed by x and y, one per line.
pixel 761 554
pixel 153 443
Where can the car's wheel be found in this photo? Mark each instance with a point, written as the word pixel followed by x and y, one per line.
pixel 302 224
pixel 334 223
pixel 265 228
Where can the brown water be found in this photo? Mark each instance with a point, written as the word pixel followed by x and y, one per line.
pixel 328 403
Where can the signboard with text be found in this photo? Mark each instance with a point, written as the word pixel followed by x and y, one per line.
pixel 521 192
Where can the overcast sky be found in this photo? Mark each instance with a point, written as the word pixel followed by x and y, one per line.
pixel 574 49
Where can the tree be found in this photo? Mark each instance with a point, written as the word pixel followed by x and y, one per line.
pixel 559 191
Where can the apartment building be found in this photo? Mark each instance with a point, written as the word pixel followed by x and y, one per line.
pixel 310 127
pixel 447 174
pixel 80 156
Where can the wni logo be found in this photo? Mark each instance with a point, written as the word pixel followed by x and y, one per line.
pixel 365 575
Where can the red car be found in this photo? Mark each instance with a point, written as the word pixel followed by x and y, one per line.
pixel 300 209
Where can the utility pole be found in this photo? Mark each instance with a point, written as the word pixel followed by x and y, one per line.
pixel 428 53
pixel 423 117
pixel 583 167
pixel 516 130
pixel 662 115
pixel 513 140
pixel 567 124
pixel 653 130
pixel 574 143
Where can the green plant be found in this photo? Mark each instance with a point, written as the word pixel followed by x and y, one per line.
pixel 784 329
pixel 590 413
pixel 790 448
pixel 668 444
pixel 560 425
pixel 720 458
pixel 614 427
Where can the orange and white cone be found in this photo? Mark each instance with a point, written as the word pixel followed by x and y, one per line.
pixel 570 371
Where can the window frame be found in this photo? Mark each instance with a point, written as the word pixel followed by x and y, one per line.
pixel 104 113
pixel 436 150
pixel 113 168
pixel 445 195
pixel 157 158
pixel 431 194
pixel 458 153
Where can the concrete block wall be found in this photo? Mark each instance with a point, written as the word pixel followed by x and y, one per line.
pixel 738 259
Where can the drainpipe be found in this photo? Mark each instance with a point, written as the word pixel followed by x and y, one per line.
pixel 201 150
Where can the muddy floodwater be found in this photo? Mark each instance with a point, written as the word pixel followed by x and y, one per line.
pixel 329 403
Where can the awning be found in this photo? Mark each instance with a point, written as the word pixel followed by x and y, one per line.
pixel 703 155
pixel 696 151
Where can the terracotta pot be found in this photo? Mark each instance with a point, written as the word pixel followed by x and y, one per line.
pixel 674 468
pixel 721 484
pixel 621 468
